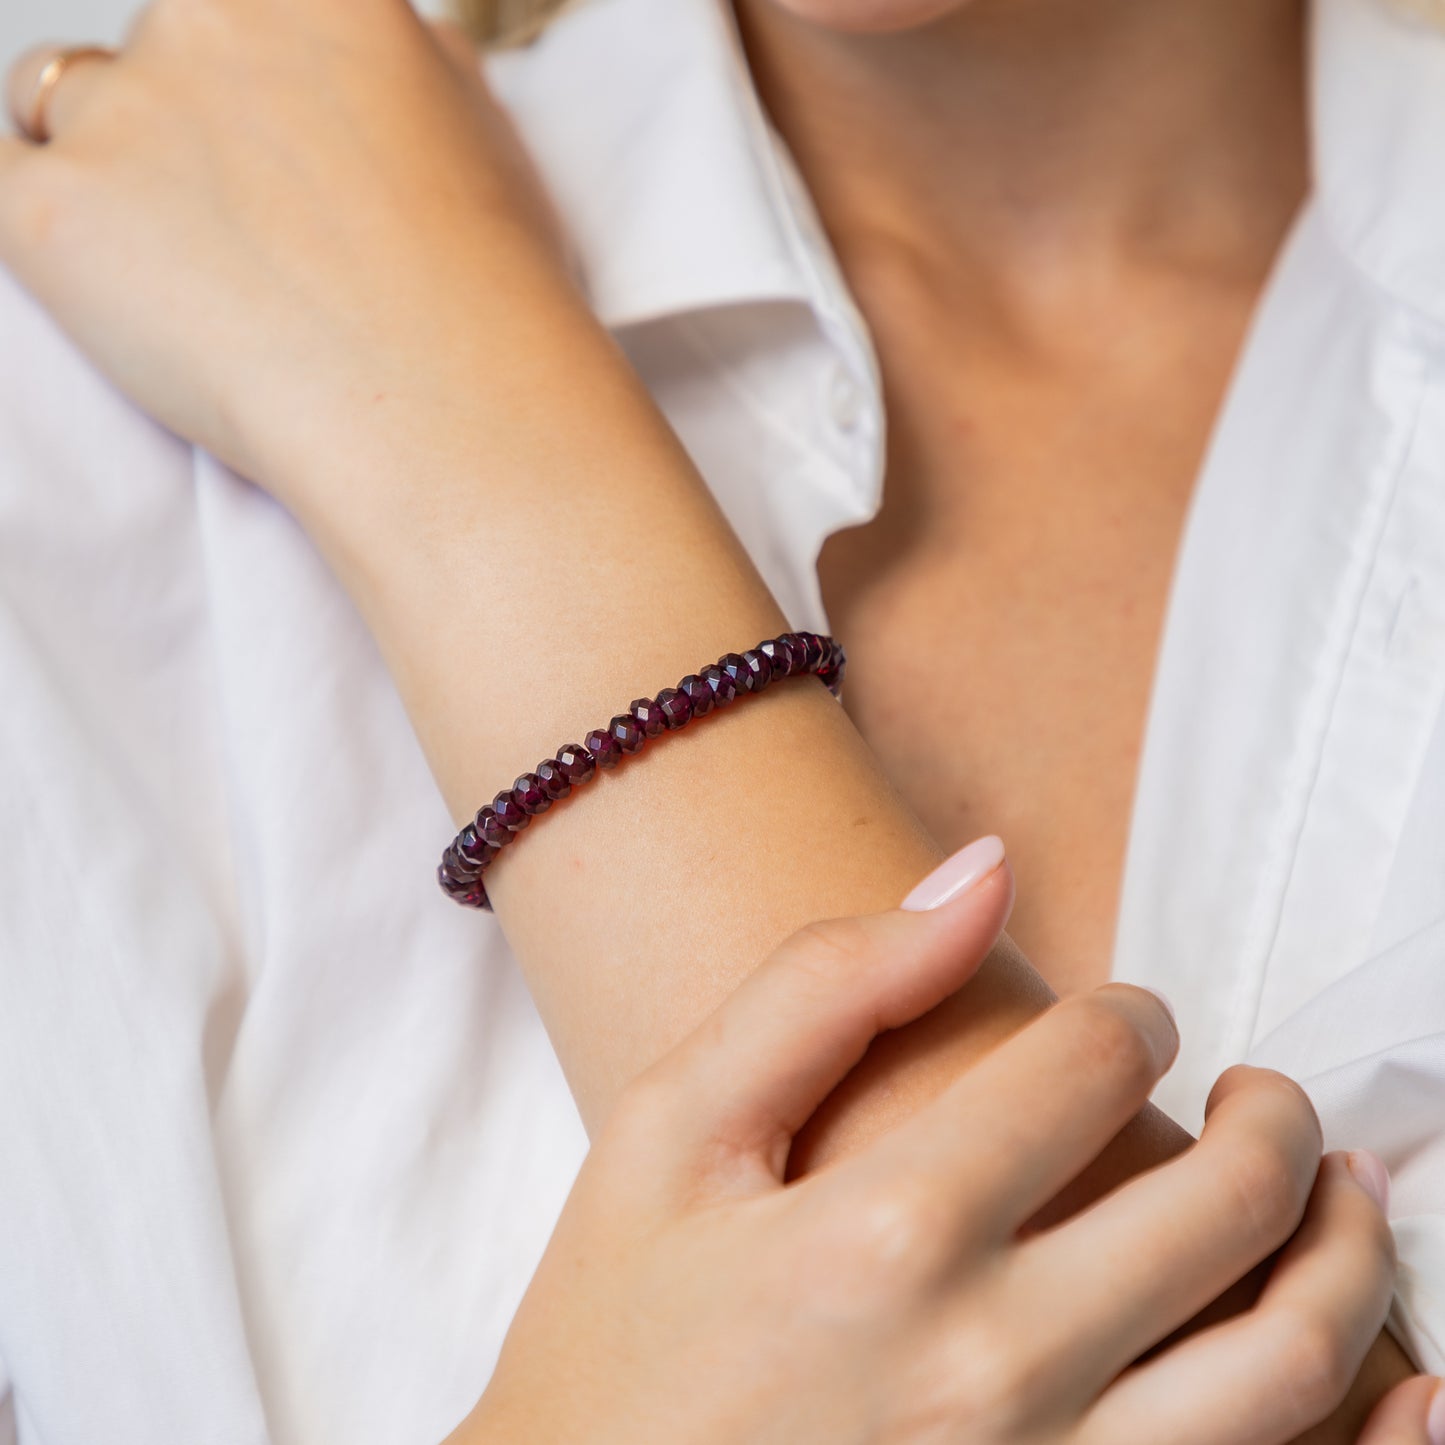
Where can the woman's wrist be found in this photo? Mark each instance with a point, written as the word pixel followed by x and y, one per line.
pixel 428 416
pixel 531 552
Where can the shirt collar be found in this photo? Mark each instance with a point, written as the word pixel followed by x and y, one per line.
pixel 680 195
pixel 645 124
pixel 1378 103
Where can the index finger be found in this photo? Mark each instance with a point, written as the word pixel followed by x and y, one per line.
pixel 1027 1119
pixel 752 1073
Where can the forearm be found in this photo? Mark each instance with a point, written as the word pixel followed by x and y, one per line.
pixel 551 556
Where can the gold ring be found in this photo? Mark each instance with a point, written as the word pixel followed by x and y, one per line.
pixel 31 119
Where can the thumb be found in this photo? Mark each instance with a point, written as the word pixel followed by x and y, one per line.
pixel 755 1071
pixel 1411 1414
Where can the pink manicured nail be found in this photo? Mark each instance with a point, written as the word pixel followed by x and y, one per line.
pixel 1435 1421
pixel 957 875
pixel 1372 1176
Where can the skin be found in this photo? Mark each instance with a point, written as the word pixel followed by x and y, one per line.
pixel 1056 216
pixel 900 1280
pixel 348 388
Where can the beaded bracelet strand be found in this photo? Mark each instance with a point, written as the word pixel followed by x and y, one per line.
pixel 475 848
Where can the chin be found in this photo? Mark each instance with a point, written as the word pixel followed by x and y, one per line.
pixel 864 17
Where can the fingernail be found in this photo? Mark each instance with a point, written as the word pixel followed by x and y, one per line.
pixel 957 875
pixel 1372 1176
pixel 1435 1422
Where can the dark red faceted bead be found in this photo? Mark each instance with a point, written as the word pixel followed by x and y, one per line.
pixel 626 732
pixel 576 763
pixel 675 706
pixel 553 779
pixel 477 845
pixel 478 858
pixel 724 689
pixel 649 716
pixel 759 669
pixel 603 747
pixel 509 812
pixel 732 663
pixel 530 796
pixel 470 848
pixel 451 880
pixel 698 693
pixel 475 897
pixel 490 828
pixel 458 866
pixel 779 656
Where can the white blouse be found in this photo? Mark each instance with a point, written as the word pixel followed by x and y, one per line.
pixel 282 1137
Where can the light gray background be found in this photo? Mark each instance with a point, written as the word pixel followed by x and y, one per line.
pixel 30 22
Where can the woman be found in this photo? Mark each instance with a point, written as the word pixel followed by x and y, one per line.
pixel 344 275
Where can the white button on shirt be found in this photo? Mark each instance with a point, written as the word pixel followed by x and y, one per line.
pixel 846 400
pixel 282 1135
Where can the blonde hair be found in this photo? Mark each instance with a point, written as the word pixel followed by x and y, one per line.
pixel 496 23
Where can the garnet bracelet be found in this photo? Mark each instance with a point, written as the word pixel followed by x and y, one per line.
pixel 475 848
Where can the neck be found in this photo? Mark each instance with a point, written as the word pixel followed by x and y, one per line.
pixel 1039 136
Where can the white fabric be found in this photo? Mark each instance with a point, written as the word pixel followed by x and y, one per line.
pixel 281 1137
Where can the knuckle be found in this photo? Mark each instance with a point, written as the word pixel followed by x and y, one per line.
pixel 896 1239
pixel 830 950
pixel 1108 1041
pixel 1293 1107
pixel 1298 1103
pixel 1266 1191
pixel 1316 1366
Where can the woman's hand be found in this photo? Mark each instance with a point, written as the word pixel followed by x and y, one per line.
pixel 690 1294
pixel 265 218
